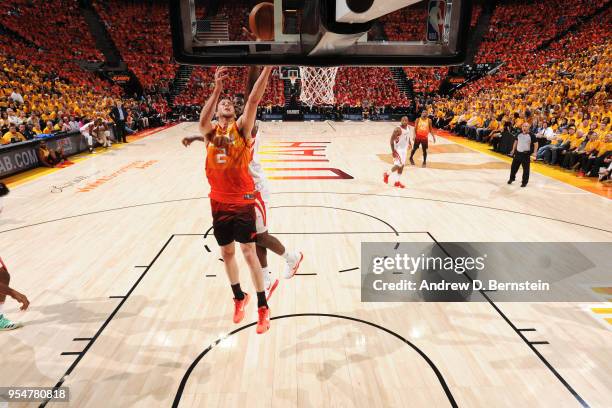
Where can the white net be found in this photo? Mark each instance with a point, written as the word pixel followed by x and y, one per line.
pixel 317 86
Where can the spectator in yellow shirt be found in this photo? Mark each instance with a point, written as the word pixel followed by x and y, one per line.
pixel 576 150
pixel 592 151
pixel 12 136
pixel 562 147
pixel 50 128
pixel 604 157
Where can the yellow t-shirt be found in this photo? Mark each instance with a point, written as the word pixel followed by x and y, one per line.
pixel 575 141
pixel 592 145
pixel 6 139
pixel 603 148
pixel 50 129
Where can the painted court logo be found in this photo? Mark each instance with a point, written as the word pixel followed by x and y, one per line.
pixel 139 164
pixel 59 188
pixel 304 153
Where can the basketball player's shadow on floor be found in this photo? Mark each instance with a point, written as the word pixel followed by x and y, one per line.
pixel 340 343
pixel 158 380
pixel 22 355
pixel 331 367
pixel 87 311
pixel 154 365
pixel 75 311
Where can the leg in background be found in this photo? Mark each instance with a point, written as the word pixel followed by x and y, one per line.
pixel 414 149
pixel 5 278
pixel 526 164
pixel 267 241
pixel 516 163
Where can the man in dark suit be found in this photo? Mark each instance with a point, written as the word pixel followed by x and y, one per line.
pixel 119 116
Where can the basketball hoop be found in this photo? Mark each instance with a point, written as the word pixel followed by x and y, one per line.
pixel 293 79
pixel 318 85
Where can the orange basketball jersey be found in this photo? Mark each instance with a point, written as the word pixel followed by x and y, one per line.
pixel 227 168
pixel 422 129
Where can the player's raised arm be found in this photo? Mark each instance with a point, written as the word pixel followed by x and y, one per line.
pixel 247 120
pixel 252 75
pixel 208 110
pixel 254 70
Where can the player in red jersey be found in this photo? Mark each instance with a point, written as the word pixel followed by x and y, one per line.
pixel 232 195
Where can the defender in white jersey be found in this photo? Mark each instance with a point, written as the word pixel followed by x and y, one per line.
pixel 262 197
pixel 401 141
pixel 266 241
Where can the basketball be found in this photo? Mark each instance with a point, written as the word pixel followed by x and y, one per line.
pixel 261 21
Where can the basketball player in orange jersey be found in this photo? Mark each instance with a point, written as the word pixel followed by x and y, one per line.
pixel 232 195
pixel 400 143
pixel 422 129
pixel 265 240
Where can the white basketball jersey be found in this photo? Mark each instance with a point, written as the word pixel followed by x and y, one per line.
pixel 255 167
pixel 401 143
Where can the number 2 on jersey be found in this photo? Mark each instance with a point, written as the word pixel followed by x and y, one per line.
pixel 220 157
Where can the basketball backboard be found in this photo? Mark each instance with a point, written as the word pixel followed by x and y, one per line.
pixel 323 32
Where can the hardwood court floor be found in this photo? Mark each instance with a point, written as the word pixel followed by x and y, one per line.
pixel 130 300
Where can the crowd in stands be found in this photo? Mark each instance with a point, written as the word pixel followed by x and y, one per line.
pixel 56 25
pixel 31 43
pixel 410 23
pixel 356 87
pixel 201 85
pixel 567 103
pixel 42 100
pixel 35 103
pixel 141 32
pixel 519 28
pixel 561 89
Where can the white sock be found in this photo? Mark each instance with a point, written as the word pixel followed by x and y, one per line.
pixel 265 270
pixel 286 254
pixel 1 307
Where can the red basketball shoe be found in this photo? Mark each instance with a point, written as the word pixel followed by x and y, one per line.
pixel 239 306
pixel 263 319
